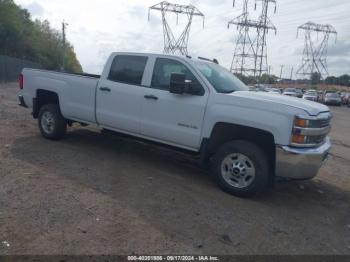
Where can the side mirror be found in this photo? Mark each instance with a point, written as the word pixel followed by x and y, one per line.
pixel 177 83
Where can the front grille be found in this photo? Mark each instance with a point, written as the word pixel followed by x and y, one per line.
pixel 319 123
pixel 310 98
pixel 315 139
pixel 324 122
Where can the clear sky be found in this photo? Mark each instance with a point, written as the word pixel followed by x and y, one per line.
pixel 98 27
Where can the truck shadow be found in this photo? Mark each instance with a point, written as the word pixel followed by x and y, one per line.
pixel 168 189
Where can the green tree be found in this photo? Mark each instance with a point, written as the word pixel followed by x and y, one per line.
pixel 315 78
pixel 248 80
pixel 343 80
pixel 268 79
pixel 33 40
pixel 331 80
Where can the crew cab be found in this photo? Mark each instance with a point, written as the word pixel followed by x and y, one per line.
pixel 197 106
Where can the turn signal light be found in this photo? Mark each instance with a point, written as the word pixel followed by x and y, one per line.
pixel 299 122
pixel 298 139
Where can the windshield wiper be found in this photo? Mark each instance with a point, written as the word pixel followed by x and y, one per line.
pixel 228 92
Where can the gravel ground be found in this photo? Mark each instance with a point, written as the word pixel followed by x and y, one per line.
pixel 94 193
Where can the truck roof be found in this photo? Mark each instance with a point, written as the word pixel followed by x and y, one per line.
pixel 188 58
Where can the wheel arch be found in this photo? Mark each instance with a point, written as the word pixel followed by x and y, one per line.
pixel 224 132
pixel 44 97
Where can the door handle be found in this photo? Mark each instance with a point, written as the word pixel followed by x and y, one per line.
pixel 106 89
pixel 151 97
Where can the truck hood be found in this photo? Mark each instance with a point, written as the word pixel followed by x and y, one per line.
pixel 312 108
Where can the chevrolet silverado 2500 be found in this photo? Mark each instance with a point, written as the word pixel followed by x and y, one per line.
pixel 249 138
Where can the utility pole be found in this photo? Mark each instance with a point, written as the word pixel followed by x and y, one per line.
pixel 315 52
pixel 291 74
pixel 174 45
pixel 64 26
pixel 281 72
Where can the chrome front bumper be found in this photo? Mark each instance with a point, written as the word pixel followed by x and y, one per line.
pixel 300 163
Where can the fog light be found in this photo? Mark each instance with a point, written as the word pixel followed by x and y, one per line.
pixel 298 139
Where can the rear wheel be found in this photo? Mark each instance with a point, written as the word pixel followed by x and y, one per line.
pixel 241 168
pixel 52 124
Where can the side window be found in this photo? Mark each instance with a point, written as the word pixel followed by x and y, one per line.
pixel 127 69
pixel 163 69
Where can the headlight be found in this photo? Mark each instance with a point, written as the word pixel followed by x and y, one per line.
pixel 309 132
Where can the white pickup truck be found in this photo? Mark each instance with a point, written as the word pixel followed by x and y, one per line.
pixel 248 138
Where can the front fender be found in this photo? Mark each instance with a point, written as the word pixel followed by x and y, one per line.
pixel 276 123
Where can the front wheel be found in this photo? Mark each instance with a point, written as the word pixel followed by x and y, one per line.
pixel 52 124
pixel 241 168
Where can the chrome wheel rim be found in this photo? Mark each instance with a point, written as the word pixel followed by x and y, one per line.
pixel 48 122
pixel 238 170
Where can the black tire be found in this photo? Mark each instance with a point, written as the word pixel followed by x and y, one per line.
pixel 59 124
pixel 257 157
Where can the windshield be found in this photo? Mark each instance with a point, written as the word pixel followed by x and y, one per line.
pixel 312 93
pixel 289 90
pixel 333 95
pixel 221 79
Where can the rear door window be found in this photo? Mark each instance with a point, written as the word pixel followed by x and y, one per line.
pixel 128 69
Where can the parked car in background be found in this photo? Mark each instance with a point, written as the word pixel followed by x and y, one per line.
pixel 299 92
pixel 274 91
pixel 311 95
pixel 260 88
pixel 325 93
pixel 345 98
pixel 319 96
pixel 332 99
pixel 290 92
pixel 251 88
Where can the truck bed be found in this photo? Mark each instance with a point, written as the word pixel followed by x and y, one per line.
pixel 76 91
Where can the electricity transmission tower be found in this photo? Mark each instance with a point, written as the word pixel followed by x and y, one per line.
pixel 315 50
pixel 173 45
pixel 263 29
pixel 250 54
